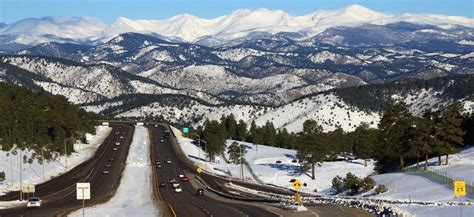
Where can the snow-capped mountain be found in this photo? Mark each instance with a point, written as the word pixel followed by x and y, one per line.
pixel 236 25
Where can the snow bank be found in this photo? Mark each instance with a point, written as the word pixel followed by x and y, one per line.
pixel 134 195
pixel 32 174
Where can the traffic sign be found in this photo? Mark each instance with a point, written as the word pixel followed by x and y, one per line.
pixel 199 170
pixel 185 130
pixel 298 199
pixel 459 188
pixel 83 191
pixel 296 185
pixel 28 189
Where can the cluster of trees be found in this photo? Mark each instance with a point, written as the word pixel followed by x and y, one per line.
pixel 354 185
pixel 400 139
pixel 33 119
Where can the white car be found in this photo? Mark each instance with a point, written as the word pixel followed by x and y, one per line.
pixel 175 185
pixel 115 148
pixel 33 202
pixel 180 175
pixel 168 161
pixel 117 143
pixel 177 190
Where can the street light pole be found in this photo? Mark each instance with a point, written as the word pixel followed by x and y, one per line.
pixel 42 156
pixel 241 165
pixel 21 186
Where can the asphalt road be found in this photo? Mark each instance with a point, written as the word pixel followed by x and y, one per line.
pixel 187 203
pixel 59 194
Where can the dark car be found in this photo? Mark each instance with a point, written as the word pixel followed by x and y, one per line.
pixel 200 192
pixel 162 184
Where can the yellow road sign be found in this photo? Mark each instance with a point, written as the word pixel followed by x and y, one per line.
pixel 297 185
pixel 199 170
pixel 459 188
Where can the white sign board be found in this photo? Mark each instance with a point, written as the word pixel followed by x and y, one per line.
pixel 28 189
pixel 139 123
pixel 83 191
pixel 105 124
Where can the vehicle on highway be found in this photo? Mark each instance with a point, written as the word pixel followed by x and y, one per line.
pixel 105 172
pixel 175 185
pixel 185 179
pixel 121 137
pixel 117 143
pixel 158 162
pixel 172 181
pixel 200 192
pixel 168 161
pixel 115 148
pixel 33 202
pixel 108 164
pixel 158 166
pixel 180 175
pixel 161 140
pixel 111 159
pixel 162 184
pixel 178 190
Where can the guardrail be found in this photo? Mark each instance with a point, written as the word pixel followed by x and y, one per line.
pixel 442 177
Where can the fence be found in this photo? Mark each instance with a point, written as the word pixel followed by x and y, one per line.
pixel 442 177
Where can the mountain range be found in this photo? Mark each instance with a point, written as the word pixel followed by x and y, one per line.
pixel 188 28
pixel 260 65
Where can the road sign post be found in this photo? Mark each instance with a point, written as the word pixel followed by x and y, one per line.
pixel 83 192
pixel 459 187
pixel 186 131
pixel 297 186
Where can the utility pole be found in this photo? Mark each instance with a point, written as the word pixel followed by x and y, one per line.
pixel 65 153
pixel 21 186
pixel 42 156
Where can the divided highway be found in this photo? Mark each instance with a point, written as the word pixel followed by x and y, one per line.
pixel 187 203
pixel 59 194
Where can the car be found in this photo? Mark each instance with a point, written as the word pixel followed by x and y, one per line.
pixel 108 164
pixel 161 140
pixel 121 137
pixel 168 161
pixel 156 125
pixel 178 190
pixel 162 184
pixel 158 166
pixel 180 175
pixel 172 181
pixel 175 185
pixel 185 179
pixel 158 162
pixel 200 192
pixel 33 202
pixel 116 133
pixel 105 171
pixel 111 159
pixel 115 148
pixel 117 143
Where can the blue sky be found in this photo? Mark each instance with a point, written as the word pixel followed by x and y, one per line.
pixel 109 10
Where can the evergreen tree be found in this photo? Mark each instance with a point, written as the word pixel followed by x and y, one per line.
pixel 215 135
pixel 236 153
pixel 393 130
pixel 230 126
pixel 311 147
pixel 269 134
pixel 364 140
pixel 241 131
pixel 450 131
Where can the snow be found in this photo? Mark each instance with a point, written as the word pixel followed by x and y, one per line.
pixel 237 24
pixel 32 173
pixel 134 195
pixel 262 160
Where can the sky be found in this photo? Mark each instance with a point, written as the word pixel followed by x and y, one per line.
pixel 109 10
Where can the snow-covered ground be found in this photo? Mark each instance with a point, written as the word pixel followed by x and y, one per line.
pixel 33 173
pixel 134 195
pixel 401 186
pixel 263 163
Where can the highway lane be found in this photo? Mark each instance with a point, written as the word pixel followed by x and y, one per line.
pixel 59 194
pixel 187 203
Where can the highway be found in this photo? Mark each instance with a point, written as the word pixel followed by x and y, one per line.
pixel 187 203
pixel 59 193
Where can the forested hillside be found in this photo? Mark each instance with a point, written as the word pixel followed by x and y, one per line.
pixel 33 119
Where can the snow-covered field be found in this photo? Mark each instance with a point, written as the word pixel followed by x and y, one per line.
pixel 262 160
pixel 134 195
pixel 401 186
pixel 33 173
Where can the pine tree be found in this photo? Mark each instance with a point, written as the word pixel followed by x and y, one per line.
pixel 311 147
pixel 214 134
pixel 364 140
pixel 450 131
pixel 236 153
pixel 242 131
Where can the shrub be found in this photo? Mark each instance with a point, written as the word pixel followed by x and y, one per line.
pixel 351 182
pixel 381 189
pixel 2 176
pixel 368 184
pixel 337 184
